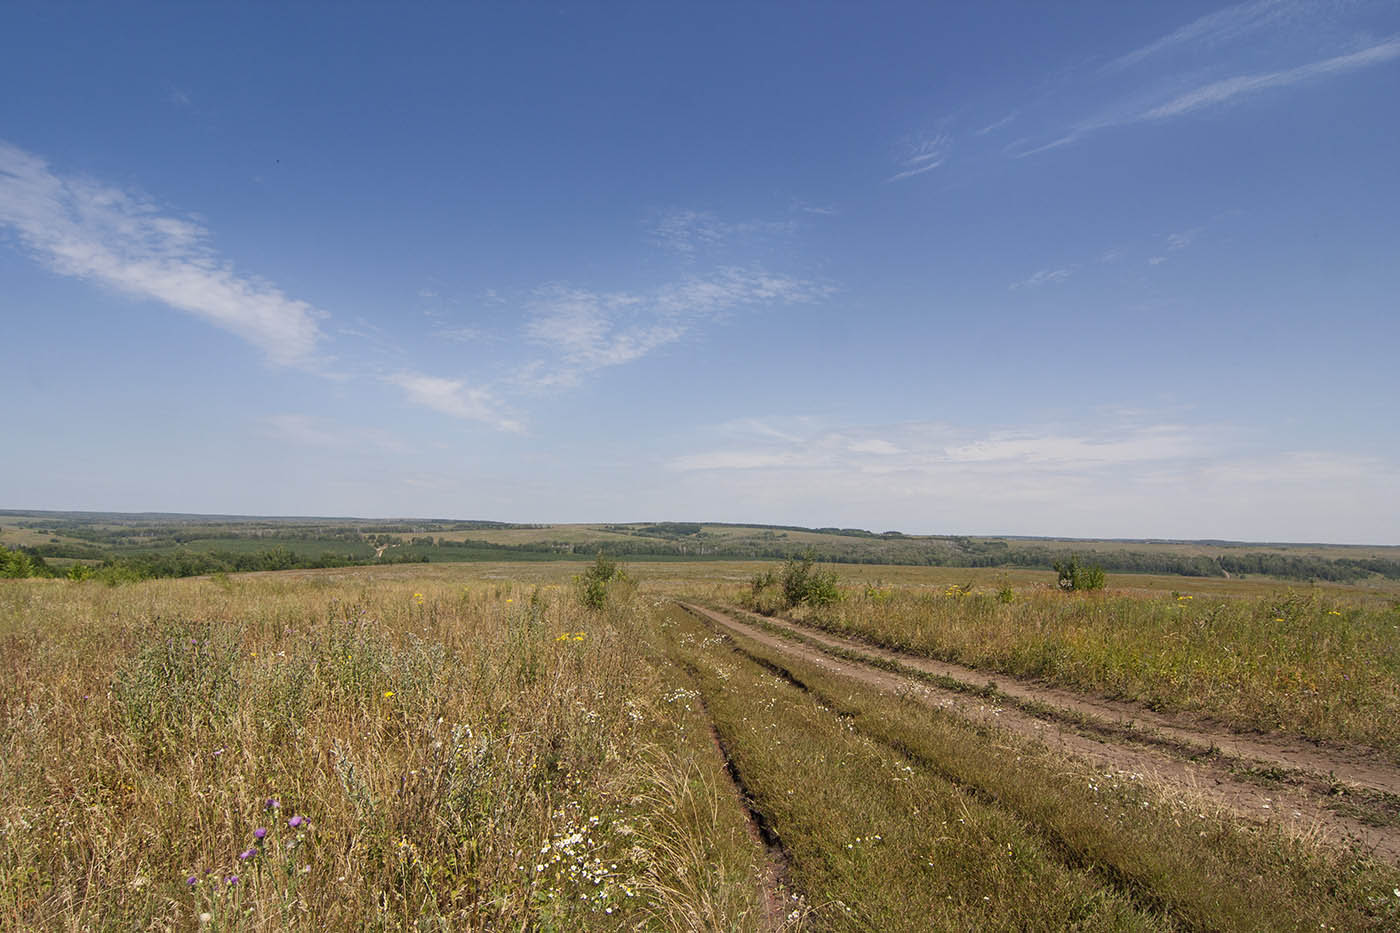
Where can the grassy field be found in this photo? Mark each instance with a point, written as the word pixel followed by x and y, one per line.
pixel 455 746
pixel 1316 662
pixel 912 820
pixel 470 754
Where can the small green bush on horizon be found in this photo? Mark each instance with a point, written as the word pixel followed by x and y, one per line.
pixel 1077 579
pixel 594 583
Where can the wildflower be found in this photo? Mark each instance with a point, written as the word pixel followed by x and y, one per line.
pixel 388 694
pixel 191 881
pixel 259 833
pixel 230 879
pixel 296 821
pixel 272 804
pixel 247 854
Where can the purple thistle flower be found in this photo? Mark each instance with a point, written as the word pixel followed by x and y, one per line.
pixel 272 804
pixel 259 833
pixel 295 821
pixel 191 881
pixel 230 879
pixel 247 854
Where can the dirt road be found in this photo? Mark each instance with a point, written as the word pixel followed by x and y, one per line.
pixel 1306 782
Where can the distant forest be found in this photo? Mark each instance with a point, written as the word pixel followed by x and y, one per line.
pixel 119 548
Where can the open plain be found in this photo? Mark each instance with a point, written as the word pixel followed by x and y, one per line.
pixel 486 746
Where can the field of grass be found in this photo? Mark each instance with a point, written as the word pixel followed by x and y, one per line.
pixel 917 820
pixel 456 746
pixel 305 547
pixel 479 755
pixel 1319 663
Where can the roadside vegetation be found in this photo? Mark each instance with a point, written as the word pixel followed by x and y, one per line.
pixel 1301 662
pixel 907 818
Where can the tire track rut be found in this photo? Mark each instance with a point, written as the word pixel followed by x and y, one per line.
pixel 1207 774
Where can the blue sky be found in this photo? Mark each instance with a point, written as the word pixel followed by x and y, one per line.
pixel 1098 270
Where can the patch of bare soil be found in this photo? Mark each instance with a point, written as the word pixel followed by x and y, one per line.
pixel 1263 778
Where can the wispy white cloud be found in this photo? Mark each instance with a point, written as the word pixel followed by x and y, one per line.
pixel 688 232
pixel 1213 29
pixel 1043 277
pixel 735 460
pixel 1296 41
pixel 591 330
pixel 925 156
pixel 1080 452
pixel 824 209
pixel 1023 147
pixel 460 334
pixel 311 431
pixel 999 124
pixel 874 445
pixel 923 446
pixel 1129 478
pixel 789 430
pixel 91 231
pixel 1219 92
pixel 1179 241
pixel 455 398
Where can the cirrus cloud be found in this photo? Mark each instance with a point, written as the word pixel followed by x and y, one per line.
pixel 91 231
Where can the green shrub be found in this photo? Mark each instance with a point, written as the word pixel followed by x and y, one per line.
pixel 593 584
pixel 1074 578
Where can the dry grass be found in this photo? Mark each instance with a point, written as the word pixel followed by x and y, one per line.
pixel 483 756
pixel 468 748
pixel 1301 662
pixel 1156 856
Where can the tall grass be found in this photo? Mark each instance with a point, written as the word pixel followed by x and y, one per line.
pixel 877 842
pixel 266 753
pixel 1296 662
pixel 1165 852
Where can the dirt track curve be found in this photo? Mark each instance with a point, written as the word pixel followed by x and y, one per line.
pixel 1179 754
